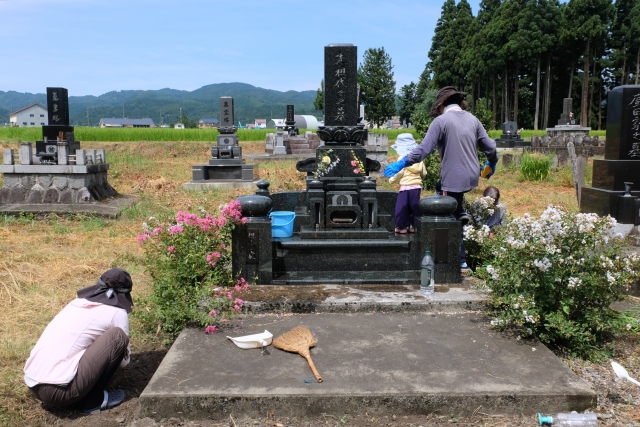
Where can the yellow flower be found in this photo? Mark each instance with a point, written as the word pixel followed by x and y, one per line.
pixel 326 159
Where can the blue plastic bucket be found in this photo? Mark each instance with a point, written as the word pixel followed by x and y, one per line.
pixel 282 223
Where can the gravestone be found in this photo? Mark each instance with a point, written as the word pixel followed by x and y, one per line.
pixel 622 158
pixel 226 166
pixel 567 125
pixel 58 171
pixel 510 137
pixel 343 230
pixel 566 118
pixel 290 121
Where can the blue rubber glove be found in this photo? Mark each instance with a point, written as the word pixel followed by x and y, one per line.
pixel 394 168
pixel 488 170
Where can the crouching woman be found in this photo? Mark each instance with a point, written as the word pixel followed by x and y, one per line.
pixel 83 346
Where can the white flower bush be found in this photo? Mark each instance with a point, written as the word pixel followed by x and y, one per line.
pixel 555 277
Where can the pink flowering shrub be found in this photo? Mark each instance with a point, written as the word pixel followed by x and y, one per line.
pixel 189 259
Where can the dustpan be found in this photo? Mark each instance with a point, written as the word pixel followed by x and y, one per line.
pixel 253 341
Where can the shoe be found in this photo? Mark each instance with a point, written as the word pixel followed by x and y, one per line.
pixel 464 219
pixel 401 230
pixel 111 399
pixel 464 266
pixel 411 229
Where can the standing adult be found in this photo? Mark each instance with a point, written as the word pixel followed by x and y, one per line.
pixel 83 346
pixel 457 135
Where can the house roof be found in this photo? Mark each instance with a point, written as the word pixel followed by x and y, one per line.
pixel 26 108
pixel 120 122
pixel 261 120
pixel 209 121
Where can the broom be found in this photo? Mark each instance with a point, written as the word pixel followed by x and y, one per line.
pixel 298 340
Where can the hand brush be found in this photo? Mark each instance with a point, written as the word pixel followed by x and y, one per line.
pixel 298 340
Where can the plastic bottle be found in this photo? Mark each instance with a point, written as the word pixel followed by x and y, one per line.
pixel 427 273
pixel 573 419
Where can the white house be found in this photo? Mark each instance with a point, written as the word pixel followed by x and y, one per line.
pixel 260 123
pixel 178 126
pixel 33 115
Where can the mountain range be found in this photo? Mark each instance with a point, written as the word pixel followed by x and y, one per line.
pixel 163 105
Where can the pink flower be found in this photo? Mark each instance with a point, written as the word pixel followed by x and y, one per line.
pixel 236 308
pixel 172 249
pixel 211 329
pixel 213 313
pixel 175 229
pixel 354 163
pixel 244 220
pixel 222 246
pixel 239 302
pixel 212 257
pixel 356 170
pixel 224 320
pixel 230 295
pixel 142 237
pixel 157 230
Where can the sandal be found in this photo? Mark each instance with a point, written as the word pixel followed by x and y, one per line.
pixel 411 229
pixel 401 230
pixel 111 399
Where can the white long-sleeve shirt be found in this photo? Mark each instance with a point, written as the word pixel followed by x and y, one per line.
pixel 56 355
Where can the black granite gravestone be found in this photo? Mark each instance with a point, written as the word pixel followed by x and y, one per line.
pixel 510 137
pixel 290 121
pixel 226 163
pixel 343 230
pixel 622 156
pixel 58 112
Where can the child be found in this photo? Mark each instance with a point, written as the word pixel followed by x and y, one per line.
pixel 407 206
pixel 500 211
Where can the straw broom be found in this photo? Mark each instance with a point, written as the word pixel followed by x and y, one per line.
pixel 299 340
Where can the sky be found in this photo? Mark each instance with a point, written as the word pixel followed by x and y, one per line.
pixel 96 46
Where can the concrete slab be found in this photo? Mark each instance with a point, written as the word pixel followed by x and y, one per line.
pixel 109 208
pixel 382 364
pixel 233 184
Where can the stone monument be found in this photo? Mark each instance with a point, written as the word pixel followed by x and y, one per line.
pixel 343 232
pixel 615 177
pixel 226 168
pixel 567 125
pixel 58 172
pixel 510 137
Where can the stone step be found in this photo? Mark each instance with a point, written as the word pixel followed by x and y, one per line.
pixel 377 363
pixel 348 277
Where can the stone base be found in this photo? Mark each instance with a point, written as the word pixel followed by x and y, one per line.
pixel 612 174
pixel 512 143
pixel 208 185
pixel 568 130
pixel 223 170
pixel 600 201
pixel 47 188
pixel 109 208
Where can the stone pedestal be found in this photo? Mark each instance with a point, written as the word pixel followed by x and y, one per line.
pixel 510 137
pixel 441 233
pixel 622 157
pixel 251 242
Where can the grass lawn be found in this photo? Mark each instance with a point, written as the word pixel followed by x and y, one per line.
pixel 46 260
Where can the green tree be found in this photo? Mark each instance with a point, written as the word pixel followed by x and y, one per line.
pixel 585 21
pixel 407 100
pixel 377 87
pixel 186 121
pixel 318 103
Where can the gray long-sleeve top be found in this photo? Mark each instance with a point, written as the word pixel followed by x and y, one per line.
pixel 457 135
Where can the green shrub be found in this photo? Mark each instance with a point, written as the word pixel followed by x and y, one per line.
pixel 555 278
pixel 432 164
pixel 189 261
pixel 534 167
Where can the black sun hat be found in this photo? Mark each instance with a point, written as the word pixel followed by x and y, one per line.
pixel 113 288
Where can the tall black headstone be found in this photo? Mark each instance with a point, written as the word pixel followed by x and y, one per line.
pixel 226 112
pixel 621 162
pixel 341 96
pixel 340 85
pixel 58 112
pixel 58 106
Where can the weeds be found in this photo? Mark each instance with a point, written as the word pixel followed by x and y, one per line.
pixel 534 167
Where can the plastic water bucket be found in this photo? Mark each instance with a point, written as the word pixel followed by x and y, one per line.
pixel 282 223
